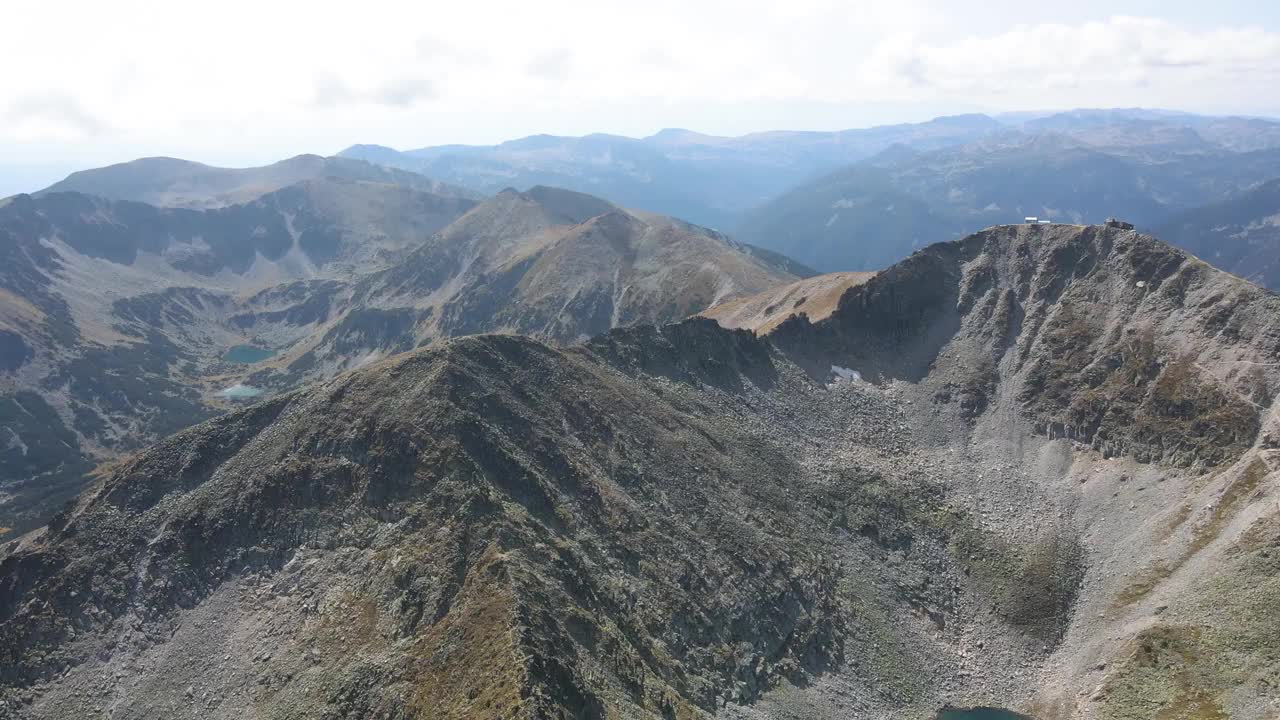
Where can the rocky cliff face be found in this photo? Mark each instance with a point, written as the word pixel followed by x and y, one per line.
pixel 1108 337
pixel 946 491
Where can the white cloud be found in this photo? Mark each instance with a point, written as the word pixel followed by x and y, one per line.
pixel 405 91
pixel 50 117
pixel 188 78
pixel 1096 60
pixel 551 64
pixel 402 92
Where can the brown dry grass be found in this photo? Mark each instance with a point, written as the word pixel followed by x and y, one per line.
pixel 350 625
pixel 1175 521
pixel 1233 498
pixel 1162 678
pixel 470 662
pixel 16 311
pixel 816 297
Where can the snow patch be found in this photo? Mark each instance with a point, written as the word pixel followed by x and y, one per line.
pixel 15 441
pixel 844 373
pixel 240 391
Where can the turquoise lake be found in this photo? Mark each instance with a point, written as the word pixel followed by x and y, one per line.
pixel 247 354
pixel 979 713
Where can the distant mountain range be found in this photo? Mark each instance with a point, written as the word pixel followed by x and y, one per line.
pixel 705 179
pixel 872 213
pixel 863 199
pixel 1240 234
pixel 169 182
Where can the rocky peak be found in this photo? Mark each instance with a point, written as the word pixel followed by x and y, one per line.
pixel 1104 335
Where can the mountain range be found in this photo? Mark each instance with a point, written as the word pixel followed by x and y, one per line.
pixel 706 179
pixel 842 220
pixel 503 432
pixel 1241 234
pixel 860 200
pixel 124 322
pixel 1031 469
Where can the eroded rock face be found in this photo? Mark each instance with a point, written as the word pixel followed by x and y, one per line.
pixel 688 521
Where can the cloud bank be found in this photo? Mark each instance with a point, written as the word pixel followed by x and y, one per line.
pixel 137 73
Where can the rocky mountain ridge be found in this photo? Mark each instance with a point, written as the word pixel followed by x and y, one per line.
pixel 122 323
pixel 984 479
pixel 816 297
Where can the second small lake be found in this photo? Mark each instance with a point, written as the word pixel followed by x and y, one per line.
pixel 979 713
pixel 247 354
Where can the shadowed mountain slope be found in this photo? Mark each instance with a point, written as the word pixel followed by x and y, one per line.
pixel 1240 235
pixel 548 263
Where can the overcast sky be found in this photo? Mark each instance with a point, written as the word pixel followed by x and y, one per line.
pixel 239 82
